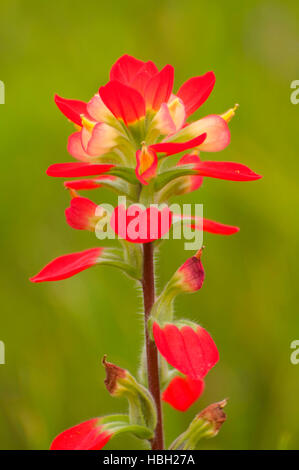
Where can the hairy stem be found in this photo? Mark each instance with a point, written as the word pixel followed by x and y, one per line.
pixel 148 285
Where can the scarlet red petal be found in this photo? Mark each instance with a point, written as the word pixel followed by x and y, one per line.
pixel 125 69
pixel 140 226
pixel 182 392
pixel 140 81
pixel 88 183
pixel 79 169
pixel 68 265
pixel 194 181
pixel 170 148
pixel 159 88
pixel 216 227
pixel 193 353
pixel 227 171
pixel 81 214
pixel 72 109
pixel 84 436
pixel 195 91
pixel 123 101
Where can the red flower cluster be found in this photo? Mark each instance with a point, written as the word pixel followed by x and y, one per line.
pixel 130 125
pixel 124 134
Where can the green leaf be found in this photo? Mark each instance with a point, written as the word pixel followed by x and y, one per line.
pixel 169 175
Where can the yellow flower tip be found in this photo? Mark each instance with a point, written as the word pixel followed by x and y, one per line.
pixel 73 193
pixel 89 125
pixel 228 115
pixel 199 253
pixel 174 104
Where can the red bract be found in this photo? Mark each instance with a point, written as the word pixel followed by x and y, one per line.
pixel 68 265
pixel 147 160
pixel 171 148
pixel 124 102
pixel 155 87
pixel 131 71
pixel 191 273
pixel 88 183
pixel 65 170
pixel 221 170
pixel 190 182
pixel 90 435
pixel 72 109
pixel 195 91
pixel 216 227
pixel 182 392
pixel 227 171
pixel 211 226
pixel 140 226
pixel 82 214
pixel 192 352
pixel 159 87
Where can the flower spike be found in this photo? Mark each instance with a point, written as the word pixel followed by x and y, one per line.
pixel 124 133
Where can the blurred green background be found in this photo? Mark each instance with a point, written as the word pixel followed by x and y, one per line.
pixel 56 333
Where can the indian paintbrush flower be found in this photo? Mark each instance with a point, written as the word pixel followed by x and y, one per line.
pixel 123 135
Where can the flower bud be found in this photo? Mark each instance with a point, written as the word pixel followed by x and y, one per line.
pixel 205 425
pixel 230 113
pixel 147 162
pixel 120 383
pixel 215 416
pixel 191 274
pixel 188 278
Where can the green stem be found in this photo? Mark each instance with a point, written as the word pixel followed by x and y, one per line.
pixel 148 285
